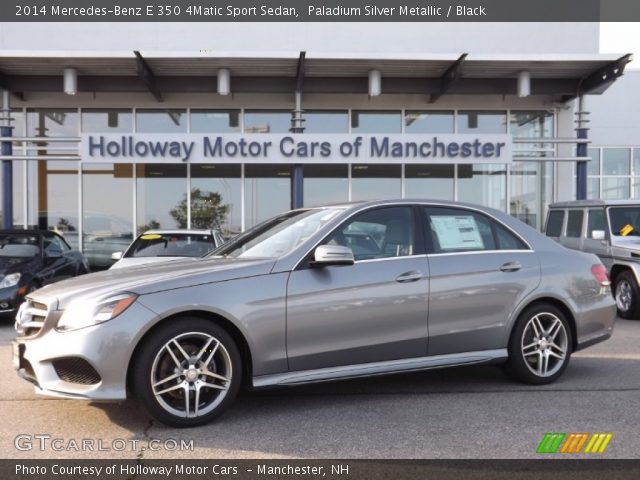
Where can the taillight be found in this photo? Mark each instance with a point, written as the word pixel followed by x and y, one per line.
pixel 600 274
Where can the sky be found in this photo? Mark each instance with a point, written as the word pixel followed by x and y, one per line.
pixel 621 38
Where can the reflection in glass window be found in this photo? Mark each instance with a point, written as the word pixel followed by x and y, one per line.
pixel 593 187
pixel 53 122
pixel 325 184
pixel 593 166
pixel 482 121
pixel 370 121
pixel 326 121
pixel 636 161
pixel 108 120
pixel 267 192
pixel 171 120
pixel 107 227
pixel 615 161
pixel 615 188
pixel 216 198
pixel 375 182
pixel 484 184
pixel 161 190
pixel 429 121
pixel 267 121
pixel 17 175
pixel 429 181
pixel 215 121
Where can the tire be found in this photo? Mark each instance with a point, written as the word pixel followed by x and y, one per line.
pixel 625 292
pixel 540 345
pixel 187 358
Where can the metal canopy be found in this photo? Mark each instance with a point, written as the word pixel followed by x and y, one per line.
pixel 562 75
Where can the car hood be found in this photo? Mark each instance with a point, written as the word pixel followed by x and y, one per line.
pixel 154 277
pixel 629 243
pixel 15 264
pixel 134 261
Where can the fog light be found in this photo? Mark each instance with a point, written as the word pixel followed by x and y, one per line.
pixel 4 305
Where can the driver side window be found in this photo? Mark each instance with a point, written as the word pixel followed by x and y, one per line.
pixel 379 233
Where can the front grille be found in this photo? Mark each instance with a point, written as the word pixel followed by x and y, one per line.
pixel 30 318
pixel 76 370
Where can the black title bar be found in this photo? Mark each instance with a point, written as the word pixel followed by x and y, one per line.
pixel 319 10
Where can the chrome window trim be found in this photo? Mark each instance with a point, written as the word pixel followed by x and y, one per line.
pixel 371 260
pixel 414 204
pixel 477 252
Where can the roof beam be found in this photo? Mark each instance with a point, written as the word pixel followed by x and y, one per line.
pixel 448 78
pixel 148 78
pixel 300 72
pixel 597 82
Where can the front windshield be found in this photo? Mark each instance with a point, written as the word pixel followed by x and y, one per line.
pixel 625 221
pixel 171 245
pixel 19 245
pixel 279 235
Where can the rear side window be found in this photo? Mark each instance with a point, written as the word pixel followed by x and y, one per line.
pixel 574 223
pixel 596 221
pixel 457 230
pixel 554 223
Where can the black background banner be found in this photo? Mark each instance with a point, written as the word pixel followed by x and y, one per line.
pixel 298 10
pixel 543 469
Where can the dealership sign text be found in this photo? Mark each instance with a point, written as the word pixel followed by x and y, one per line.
pixel 274 148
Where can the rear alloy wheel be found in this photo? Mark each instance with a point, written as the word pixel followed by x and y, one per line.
pixel 187 373
pixel 626 295
pixel 540 345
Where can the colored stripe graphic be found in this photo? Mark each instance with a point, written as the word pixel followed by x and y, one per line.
pixel 550 442
pixel 572 443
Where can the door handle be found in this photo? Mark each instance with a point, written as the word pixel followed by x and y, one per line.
pixel 406 277
pixel 511 267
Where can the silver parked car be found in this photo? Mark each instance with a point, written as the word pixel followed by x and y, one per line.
pixel 611 230
pixel 162 245
pixel 313 295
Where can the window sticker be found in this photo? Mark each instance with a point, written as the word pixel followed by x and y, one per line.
pixel 457 232
pixel 626 230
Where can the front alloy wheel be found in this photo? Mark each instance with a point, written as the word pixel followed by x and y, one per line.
pixel 187 373
pixel 540 345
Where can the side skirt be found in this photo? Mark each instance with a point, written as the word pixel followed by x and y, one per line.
pixel 378 368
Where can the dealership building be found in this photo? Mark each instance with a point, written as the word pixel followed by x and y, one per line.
pixel 116 128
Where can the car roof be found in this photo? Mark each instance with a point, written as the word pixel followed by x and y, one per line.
pixel 408 201
pixel 593 203
pixel 176 231
pixel 14 231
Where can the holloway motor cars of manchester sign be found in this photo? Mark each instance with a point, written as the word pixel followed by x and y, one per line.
pixel 286 148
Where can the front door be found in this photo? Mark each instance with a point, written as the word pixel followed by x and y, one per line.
pixel 374 310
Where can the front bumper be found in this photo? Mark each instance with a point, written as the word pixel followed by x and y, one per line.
pixel 106 348
pixel 9 300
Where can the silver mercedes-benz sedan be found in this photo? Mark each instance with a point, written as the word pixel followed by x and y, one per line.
pixel 318 294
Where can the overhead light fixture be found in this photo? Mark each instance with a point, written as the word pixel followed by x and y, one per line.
pixel 224 81
pixel 524 83
pixel 375 83
pixel 70 81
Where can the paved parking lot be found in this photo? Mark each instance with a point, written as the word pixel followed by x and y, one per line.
pixel 471 412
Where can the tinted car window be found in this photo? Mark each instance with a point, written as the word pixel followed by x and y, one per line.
pixel 554 223
pixel 458 230
pixel 507 240
pixel 171 245
pixel 596 221
pixel 625 221
pixel 574 223
pixel 380 233
pixel 17 245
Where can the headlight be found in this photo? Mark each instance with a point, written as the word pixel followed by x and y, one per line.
pixel 85 313
pixel 10 280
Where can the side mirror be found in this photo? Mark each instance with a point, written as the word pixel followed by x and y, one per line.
pixel 326 255
pixel 116 256
pixel 598 234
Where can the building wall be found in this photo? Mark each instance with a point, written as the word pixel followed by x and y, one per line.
pixel 383 38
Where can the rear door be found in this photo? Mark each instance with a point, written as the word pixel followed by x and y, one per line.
pixel 480 271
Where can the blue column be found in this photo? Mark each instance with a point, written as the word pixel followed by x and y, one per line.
pixel 297 184
pixel 7 180
pixel 581 166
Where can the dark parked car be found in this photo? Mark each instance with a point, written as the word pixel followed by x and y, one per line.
pixel 30 259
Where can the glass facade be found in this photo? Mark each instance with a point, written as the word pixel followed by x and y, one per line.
pixel 69 197
pixel 614 173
